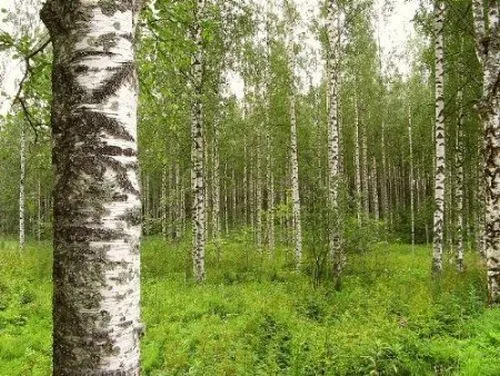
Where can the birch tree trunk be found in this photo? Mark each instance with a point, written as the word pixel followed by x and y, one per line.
pixel 245 183
pixel 374 188
pixel 97 207
pixel 258 191
pixel 459 193
pixel 294 160
pixel 364 172
pixel 22 179
pixel 164 203
pixel 270 191
pixel 383 177
pixel 440 177
pixel 39 211
pixel 357 161
pixel 488 52
pixel 176 204
pixel 234 198
pixel 269 157
pixel 216 227
pixel 197 154
pixel 412 179
pixel 334 142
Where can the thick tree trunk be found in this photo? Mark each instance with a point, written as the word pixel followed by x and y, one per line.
pixel 439 183
pixel 197 153
pixel 270 196
pixel 488 52
pixel 22 186
pixel 97 207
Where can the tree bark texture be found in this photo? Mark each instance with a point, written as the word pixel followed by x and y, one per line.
pixel 97 207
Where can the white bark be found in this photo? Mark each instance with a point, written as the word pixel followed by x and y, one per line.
pixel 270 196
pixel 440 177
pixel 459 194
pixel 216 226
pixel 22 178
pixel 383 177
pixel 258 193
pixel 334 141
pixel 39 211
pixel 294 160
pixel 97 207
pixel 357 161
pixel 412 179
pixel 488 52
pixel 164 203
pixel 364 172
pixel 197 153
pixel 374 188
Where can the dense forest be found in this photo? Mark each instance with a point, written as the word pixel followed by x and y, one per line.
pixel 274 190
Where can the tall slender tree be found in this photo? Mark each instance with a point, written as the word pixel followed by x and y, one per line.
pixel 412 178
pixel 334 140
pixel 459 184
pixel 22 187
pixel 440 164
pixel 197 148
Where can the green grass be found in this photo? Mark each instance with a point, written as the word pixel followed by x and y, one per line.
pixel 255 316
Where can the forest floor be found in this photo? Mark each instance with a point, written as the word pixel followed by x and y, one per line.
pixel 254 316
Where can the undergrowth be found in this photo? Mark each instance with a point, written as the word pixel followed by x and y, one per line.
pixel 256 316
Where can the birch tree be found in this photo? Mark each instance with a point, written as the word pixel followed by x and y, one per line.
pixel 97 207
pixel 412 179
pixel 487 31
pixel 333 139
pixel 22 181
pixel 440 164
pixel 197 153
pixel 294 160
pixel 459 180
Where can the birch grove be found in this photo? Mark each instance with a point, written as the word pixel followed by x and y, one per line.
pixel 214 165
